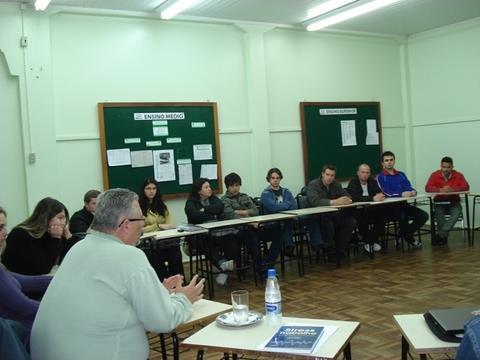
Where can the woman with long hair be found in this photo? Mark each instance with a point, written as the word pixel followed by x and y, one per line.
pixel 34 246
pixel 157 218
pixel 204 206
pixel 14 288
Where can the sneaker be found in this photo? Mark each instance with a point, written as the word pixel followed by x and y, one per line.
pixel 227 265
pixel 221 279
pixel 376 247
pixel 417 244
pixel 368 248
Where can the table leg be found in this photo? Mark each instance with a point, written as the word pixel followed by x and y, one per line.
pixel 199 354
pixel 432 220
pixel 467 210
pixel 405 347
pixel 163 347
pixel 473 219
pixel 347 352
pixel 175 345
pixel 423 356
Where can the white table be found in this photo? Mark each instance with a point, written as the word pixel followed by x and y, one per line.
pixel 417 334
pixel 318 210
pixel 250 339
pixel 202 310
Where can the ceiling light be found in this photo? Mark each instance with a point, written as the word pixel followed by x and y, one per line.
pixel 350 13
pixel 327 7
pixel 41 4
pixel 176 8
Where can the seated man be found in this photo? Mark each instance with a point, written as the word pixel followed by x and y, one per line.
pixel 364 188
pixel 336 227
pixel 81 220
pixel 239 205
pixel 470 346
pixel 275 199
pixel 395 183
pixel 446 180
pixel 116 294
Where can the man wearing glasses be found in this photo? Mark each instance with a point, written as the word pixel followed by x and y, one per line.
pixel 105 294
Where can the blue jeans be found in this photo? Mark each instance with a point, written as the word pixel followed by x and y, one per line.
pixel 470 346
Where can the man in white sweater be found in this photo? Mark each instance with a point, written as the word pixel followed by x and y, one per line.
pixel 105 295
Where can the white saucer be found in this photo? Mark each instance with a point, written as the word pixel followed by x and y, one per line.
pixel 228 320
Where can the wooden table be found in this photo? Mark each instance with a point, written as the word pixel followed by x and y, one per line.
pixel 202 310
pixel 417 334
pixel 249 340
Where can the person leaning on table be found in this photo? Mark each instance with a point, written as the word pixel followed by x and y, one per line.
pixel 106 295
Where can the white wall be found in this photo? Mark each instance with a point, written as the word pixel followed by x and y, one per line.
pixel 445 93
pixel 256 74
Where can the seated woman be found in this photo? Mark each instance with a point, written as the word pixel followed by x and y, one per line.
pixel 158 217
pixel 34 246
pixel 14 303
pixel 203 206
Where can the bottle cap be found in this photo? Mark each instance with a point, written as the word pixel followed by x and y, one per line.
pixel 272 273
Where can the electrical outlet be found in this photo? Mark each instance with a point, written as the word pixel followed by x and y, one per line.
pixel 32 157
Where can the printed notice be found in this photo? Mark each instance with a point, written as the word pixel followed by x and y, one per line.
pixel 132 141
pixel 202 152
pixel 174 140
pixel 349 137
pixel 141 158
pixel 118 157
pixel 208 171
pixel 372 133
pixel 198 124
pixel 164 165
pixel 160 131
pixel 160 123
pixel 153 143
pixel 185 176
pixel 346 111
pixel 159 116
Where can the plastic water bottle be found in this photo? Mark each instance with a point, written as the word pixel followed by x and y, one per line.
pixel 273 299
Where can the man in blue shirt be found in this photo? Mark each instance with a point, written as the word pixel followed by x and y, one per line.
pixel 395 183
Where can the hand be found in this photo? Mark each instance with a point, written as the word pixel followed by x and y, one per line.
pixel 446 189
pixel 66 232
pixel 192 291
pixel 165 226
pixel 55 229
pixel 343 200
pixel 379 197
pixel 409 193
pixel 173 282
pixel 242 213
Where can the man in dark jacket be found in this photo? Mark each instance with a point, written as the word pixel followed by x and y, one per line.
pixel 337 227
pixel 365 188
pixel 81 220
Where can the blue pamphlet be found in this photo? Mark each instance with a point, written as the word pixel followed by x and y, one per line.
pixel 295 338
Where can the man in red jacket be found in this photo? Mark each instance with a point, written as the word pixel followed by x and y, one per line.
pixel 446 180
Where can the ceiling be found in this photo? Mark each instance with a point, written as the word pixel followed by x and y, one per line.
pixel 404 18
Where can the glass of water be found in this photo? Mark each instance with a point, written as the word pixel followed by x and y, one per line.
pixel 240 305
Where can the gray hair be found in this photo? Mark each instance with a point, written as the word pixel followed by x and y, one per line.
pixel 112 205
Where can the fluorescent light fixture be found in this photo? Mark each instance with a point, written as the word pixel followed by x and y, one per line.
pixel 327 7
pixel 176 8
pixel 350 13
pixel 41 4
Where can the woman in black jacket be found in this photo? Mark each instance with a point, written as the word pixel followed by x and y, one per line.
pixel 203 206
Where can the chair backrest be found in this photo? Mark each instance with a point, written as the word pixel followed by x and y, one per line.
pixel 258 202
pixel 302 201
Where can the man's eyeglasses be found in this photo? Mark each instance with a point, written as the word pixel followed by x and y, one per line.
pixel 131 220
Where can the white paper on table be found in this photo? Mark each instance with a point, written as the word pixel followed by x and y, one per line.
pixel 372 139
pixel 208 171
pixel 349 137
pixel 141 158
pixel 164 165
pixel 202 152
pixel 160 131
pixel 185 173
pixel 118 157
